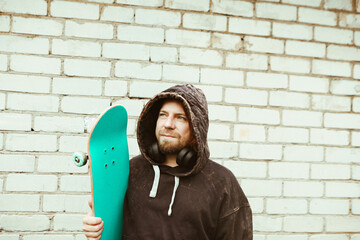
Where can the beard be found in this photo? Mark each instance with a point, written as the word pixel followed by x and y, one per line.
pixel 171 147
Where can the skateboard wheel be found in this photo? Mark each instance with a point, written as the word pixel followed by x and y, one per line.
pixel 80 159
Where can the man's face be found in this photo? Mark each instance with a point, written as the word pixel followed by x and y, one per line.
pixel 172 128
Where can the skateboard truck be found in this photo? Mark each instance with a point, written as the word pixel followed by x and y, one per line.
pixel 80 158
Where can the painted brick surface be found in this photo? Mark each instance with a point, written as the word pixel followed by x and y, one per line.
pixel 281 78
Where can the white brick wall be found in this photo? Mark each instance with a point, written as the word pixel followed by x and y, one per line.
pixel 281 79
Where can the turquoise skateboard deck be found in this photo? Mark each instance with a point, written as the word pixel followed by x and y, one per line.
pixel 109 169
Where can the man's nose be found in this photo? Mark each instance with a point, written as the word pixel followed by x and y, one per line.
pixel 169 123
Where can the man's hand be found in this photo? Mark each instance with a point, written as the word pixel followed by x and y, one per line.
pixel 92 226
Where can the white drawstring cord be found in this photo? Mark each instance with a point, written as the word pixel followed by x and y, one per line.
pixel 155 186
pixel 176 185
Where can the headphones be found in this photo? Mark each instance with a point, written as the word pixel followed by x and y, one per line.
pixel 185 158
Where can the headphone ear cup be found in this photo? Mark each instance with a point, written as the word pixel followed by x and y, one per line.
pixel 155 153
pixel 186 157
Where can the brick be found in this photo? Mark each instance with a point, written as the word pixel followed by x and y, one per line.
pixel 289 135
pixel 306 49
pixel 116 88
pixel 329 137
pixel 147 89
pixel 163 54
pixel 303 153
pixel 289 170
pixel 308 84
pixel 356 71
pixel 342 155
pixel 227 41
pixel 303 189
pixel 38 183
pixel 1 185
pixel 355 139
pixel 249 26
pixel 257 205
pixel 58 164
pixel 157 17
pixel 345 87
pixel 355 204
pixel 331 103
pixel 289 99
pixel 2 101
pixel 36 7
pixel 223 149
pixel 71 144
pixel 68 222
pixel 9 237
pixel 310 3
pixel 19 44
pixel 315 16
pixel 133 106
pixel 153 3
pixel 349 20
pixel 117 14
pixel 258 115
pixel 181 73
pixel 242 169
pixel 76 48
pixel 303 224
pixel 79 10
pixel 212 93
pixel 89 30
pixel 355 236
pixel 329 206
pixel 31 223
pixel 133 147
pixel 330 171
pixel 223 77
pixel 37 26
pixel 66 203
pixel 75 183
pixel 249 133
pixel 187 38
pixel 49 237
pixel 80 237
pixel 3 62
pixel 341 120
pixel 333 35
pixel 84 105
pixel 287 237
pixel 263 188
pixel 235 8
pixel 357 37
pixel 219 131
pixel 246 96
pixel 292 31
pixel 286 206
pixel 86 68
pixel 28 102
pixel 342 224
pixel 59 124
pixel 35 64
pixel 267 223
pixel 201 5
pixel 247 61
pixel 228 113
pixel 301 118
pixel 1 143
pixel 276 11
pixel 15 121
pixel 4 23
pixel 200 56
pixel 266 80
pixel 75 86
pixel 204 22
pixel 290 64
pixel 17 163
pixel 31 142
pixel 140 34
pixel 19 203
pixel 24 83
pixel 257 44
pixel 138 70
pixel 260 151
pixel 342 189
pixel 343 53
pixel 333 4
pixel 126 51
pixel 331 68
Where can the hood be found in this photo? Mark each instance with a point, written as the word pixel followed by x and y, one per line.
pixel 195 106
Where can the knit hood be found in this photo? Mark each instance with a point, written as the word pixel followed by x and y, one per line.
pixel 195 106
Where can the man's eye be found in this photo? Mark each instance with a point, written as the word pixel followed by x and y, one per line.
pixel 182 118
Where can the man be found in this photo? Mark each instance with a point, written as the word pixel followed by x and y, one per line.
pixel 175 191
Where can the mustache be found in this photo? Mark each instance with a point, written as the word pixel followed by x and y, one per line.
pixel 172 134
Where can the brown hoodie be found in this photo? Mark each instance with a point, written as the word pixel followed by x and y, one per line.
pixel 204 201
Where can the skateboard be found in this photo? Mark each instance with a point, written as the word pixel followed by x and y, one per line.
pixel 108 156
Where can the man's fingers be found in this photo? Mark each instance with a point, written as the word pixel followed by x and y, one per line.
pixel 91 220
pixel 90 203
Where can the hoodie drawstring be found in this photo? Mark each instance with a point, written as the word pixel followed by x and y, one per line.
pixel 155 186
